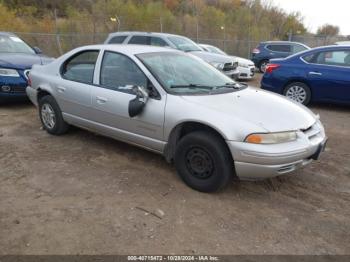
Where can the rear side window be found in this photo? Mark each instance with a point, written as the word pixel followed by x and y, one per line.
pixel 157 41
pixel 279 48
pixel 80 67
pixel 117 39
pixel 310 58
pixel 140 40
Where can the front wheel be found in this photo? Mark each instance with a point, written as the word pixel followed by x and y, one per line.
pixel 51 116
pixel 298 92
pixel 203 161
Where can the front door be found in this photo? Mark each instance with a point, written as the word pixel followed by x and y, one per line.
pixel 110 102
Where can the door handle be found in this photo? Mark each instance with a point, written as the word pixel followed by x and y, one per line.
pixel 101 100
pixel 315 73
pixel 61 89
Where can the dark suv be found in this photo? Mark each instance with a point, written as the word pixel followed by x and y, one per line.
pixel 274 49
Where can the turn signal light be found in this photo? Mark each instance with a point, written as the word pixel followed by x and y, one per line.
pixel 254 139
pixel 29 81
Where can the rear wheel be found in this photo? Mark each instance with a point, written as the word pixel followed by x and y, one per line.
pixel 51 116
pixel 298 92
pixel 203 161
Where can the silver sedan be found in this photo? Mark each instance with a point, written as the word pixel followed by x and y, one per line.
pixel 173 103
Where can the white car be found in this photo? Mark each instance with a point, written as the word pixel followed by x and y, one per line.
pixel 246 67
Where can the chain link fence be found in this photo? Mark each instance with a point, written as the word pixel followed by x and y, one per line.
pixel 63 35
pixel 56 44
pixel 315 41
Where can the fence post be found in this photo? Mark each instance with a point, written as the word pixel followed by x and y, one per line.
pixel 161 24
pixel 197 29
pixel 58 40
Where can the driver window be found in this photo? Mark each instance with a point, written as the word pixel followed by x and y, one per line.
pixel 120 73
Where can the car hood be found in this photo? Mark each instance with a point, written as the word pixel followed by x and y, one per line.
pixel 267 110
pixel 244 61
pixel 211 57
pixel 22 61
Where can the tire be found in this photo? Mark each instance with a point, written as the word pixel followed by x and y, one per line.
pixel 298 92
pixel 262 66
pixel 49 110
pixel 203 161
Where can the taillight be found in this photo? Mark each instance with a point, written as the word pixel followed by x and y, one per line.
pixel 29 81
pixel 256 51
pixel 271 67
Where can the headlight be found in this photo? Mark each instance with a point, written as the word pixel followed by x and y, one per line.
pixel 219 66
pixel 271 138
pixel 242 65
pixel 8 72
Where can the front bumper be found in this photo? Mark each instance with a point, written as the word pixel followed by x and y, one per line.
pixel 246 72
pixel 234 74
pixel 13 88
pixel 253 161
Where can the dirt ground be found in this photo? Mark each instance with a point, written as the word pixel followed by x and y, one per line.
pixel 86 194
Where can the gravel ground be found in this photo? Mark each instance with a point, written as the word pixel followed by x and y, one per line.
pixel 86 194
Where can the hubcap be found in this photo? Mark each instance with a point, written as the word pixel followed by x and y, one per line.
pixel 48 116
pixel 199 163
pixel 296 93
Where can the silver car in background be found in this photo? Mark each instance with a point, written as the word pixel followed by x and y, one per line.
pixel 224 63
pixel 175 104
pixel 245 67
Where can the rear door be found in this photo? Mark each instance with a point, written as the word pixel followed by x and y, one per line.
pixel 110 101
pixel 329 74
pixel 73 88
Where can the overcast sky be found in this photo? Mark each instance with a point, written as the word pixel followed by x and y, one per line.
pixel 319 12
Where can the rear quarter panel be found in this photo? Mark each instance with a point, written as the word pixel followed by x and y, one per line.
pixel 291 70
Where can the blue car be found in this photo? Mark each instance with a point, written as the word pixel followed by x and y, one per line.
pixel 274 49
pixel 16 59
pixel 318 75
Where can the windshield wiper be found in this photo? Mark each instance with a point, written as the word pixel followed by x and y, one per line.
pixel 233 85
pixel 192 86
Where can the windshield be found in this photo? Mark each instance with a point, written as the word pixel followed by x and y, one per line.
pixel 13 44
pixel 184 74
pixel 184 44
pixel 215 50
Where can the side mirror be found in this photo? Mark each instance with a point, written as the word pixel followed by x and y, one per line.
pixel 137 104
pixel 37 50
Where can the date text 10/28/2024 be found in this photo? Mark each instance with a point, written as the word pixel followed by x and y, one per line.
pixel 173 258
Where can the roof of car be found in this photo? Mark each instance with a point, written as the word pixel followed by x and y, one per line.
pixel 336 47
pixel 144 33
pixel 281 42
pixel 131 49
pixel 7 33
